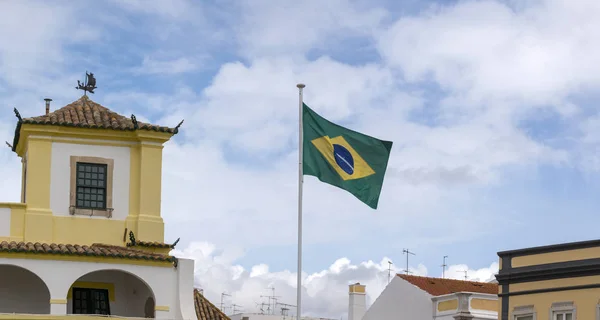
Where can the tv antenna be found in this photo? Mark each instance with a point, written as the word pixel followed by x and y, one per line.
pixel 235 309
pixel 223 294
pixel 262 307
pixel 407 252
pixel 389 271
pixel 444 265
pixel 272 301
pixel 285 308
pixel 466 276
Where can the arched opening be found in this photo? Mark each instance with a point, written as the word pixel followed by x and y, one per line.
pixel 109 292
pixel 149 308
pixel 22 291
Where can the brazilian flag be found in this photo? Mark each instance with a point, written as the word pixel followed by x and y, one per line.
pixel 344 158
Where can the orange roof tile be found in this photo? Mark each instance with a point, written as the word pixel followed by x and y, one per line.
pixel 152 244
pixel 439 286
pixel 95 250
pixel 205 310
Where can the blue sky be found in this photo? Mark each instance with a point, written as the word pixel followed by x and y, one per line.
pixel 491 106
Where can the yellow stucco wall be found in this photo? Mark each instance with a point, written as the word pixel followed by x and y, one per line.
pixel 585 301
pixel 447 305
pixel 484 304
pixel 561 256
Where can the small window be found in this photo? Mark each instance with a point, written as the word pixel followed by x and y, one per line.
pixel 563 311
pixel 90 301
pixel 524 313
pixel 91 186
pixel 563 315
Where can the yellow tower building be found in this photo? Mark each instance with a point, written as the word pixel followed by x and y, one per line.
pixel 88 174
pixel 88 236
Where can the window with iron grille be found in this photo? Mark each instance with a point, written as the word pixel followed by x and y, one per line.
pixel 90 301
pixel 91 186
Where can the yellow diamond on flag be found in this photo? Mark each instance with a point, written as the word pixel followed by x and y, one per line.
pixel 343 158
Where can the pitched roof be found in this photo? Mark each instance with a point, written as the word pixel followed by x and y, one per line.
pixel 95 250
pixel 86 113
pixel 205 310
pixel 439 286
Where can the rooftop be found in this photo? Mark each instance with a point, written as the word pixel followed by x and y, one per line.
pixel 205 310
pixel 95 250
pixel 88 114
pixel 442 286
pixel 85 113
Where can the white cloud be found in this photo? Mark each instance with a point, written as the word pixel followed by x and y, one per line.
pixel 170 67
pixel 486 51
pixel 174 9
pixel 325 293
pixel 294 27
pixel 36 48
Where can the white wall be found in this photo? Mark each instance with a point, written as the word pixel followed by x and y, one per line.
pixel 60 275
pixel 61 175
pixel 22 292
pixel 400 300
pixel 5 222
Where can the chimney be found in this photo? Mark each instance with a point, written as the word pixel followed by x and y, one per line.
pixel 47 105
pixel 357 305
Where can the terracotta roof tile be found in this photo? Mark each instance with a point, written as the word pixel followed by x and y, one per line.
pixel 150 244
pixel 205 310
pixel 86 113
pixel 439 286
pixel 95 250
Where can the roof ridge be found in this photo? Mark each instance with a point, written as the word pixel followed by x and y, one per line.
pixel 85 112
pixel 443 286
pixel 96 249
pixel 448 279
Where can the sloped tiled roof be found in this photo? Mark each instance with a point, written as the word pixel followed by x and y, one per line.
pixel 86 113
pixel 205 310
pixel 95 250
pixel 439 286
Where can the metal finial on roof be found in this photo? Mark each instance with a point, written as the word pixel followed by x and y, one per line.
pixel 18 115
pixel 176 130
pixel 135 123
pixel 175 243
pixel 89 85
pixel 132 238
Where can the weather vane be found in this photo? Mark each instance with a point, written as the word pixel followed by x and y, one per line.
pixel 90 84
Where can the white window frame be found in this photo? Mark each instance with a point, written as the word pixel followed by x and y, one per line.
pixel 562 308
pixel 524 311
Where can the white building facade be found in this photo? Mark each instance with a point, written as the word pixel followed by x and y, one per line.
pixel 50 287
pixel 424 298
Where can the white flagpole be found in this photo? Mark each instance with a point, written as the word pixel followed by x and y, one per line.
pixel 300 183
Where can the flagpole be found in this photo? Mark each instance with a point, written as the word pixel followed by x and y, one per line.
pixel 300 87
